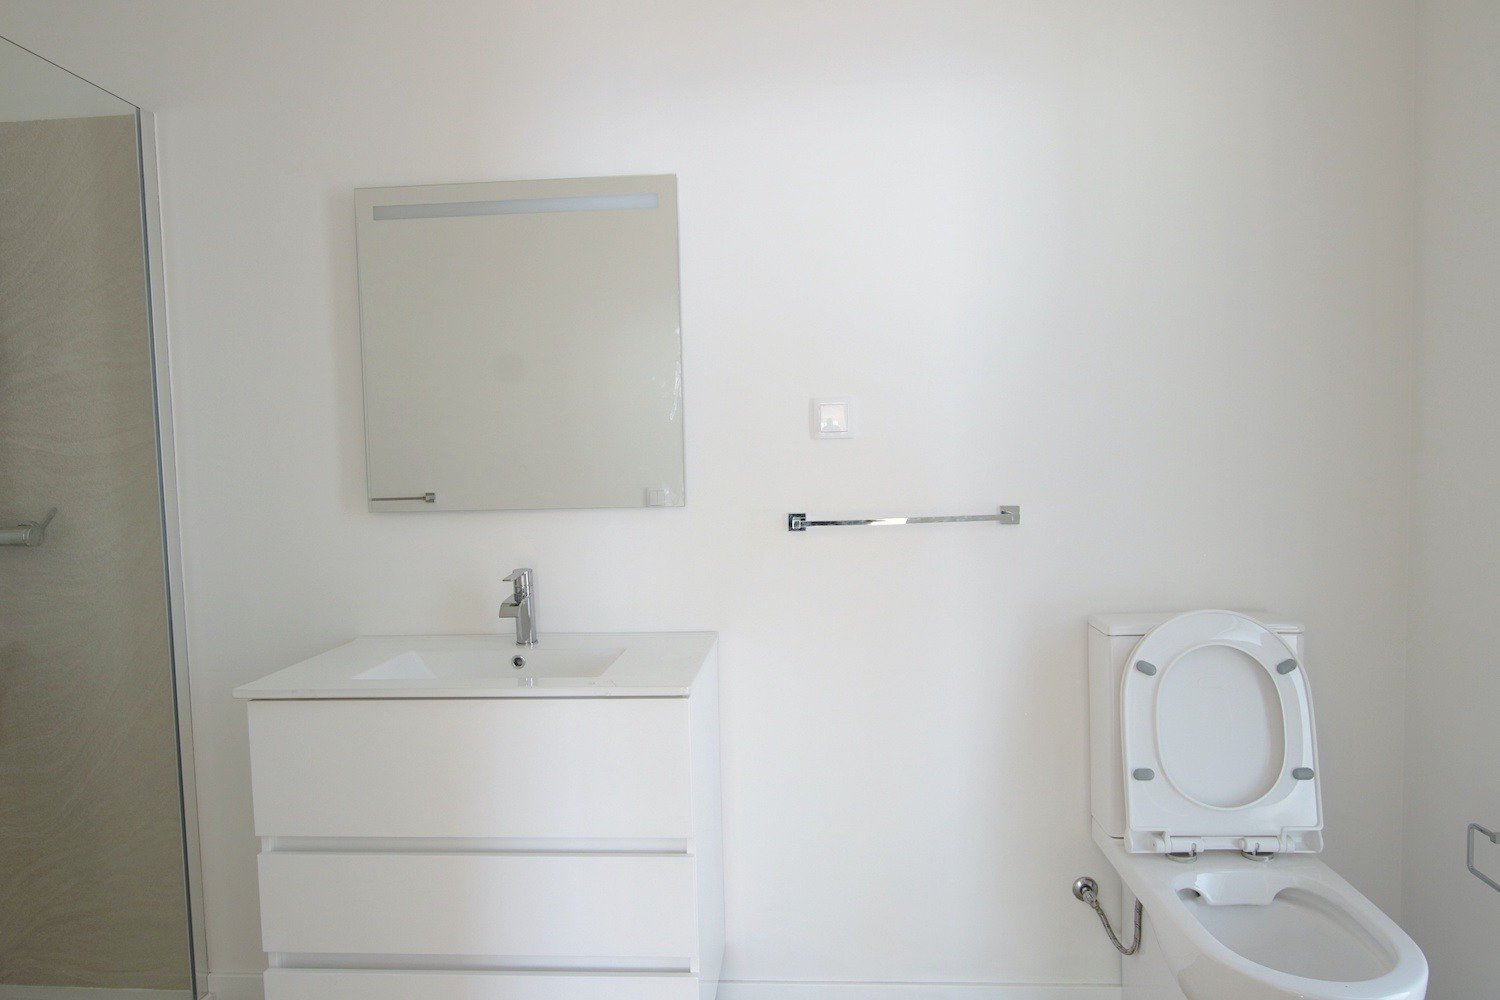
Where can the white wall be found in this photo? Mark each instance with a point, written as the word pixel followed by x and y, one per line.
pixel 1144 268
pixel 1454 753
pixel 32 89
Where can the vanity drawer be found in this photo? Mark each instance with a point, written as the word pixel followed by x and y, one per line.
pixel 523 908
pixel 571 768
pixel 340 984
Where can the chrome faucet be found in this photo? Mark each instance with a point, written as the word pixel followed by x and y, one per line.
pixel 521 605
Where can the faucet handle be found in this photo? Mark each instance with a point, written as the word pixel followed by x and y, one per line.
pixel 522 580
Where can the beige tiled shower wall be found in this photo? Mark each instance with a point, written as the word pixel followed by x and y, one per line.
pixel 91 871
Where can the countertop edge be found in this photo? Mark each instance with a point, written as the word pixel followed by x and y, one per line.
pixel 253 691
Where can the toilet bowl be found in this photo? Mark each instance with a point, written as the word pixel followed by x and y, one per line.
pixel 1207 803
pixel 1228 928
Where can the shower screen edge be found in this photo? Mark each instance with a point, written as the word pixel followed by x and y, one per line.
pixel 156 292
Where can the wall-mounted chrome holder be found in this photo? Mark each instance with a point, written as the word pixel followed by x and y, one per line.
pixel 1004 515
pixel 425 498
pixel 28 533
pixel 1493 838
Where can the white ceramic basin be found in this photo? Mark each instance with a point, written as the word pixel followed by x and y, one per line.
pixel 515 664
pixel 621 664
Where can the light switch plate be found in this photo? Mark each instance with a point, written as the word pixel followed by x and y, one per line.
pixel 661 496
pixel 833 418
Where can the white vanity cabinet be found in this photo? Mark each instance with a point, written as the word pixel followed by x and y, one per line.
pixel 490 832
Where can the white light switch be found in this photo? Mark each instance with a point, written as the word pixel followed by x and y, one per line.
pixel 833 418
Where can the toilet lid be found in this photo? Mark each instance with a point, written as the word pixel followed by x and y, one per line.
pixel 1219 744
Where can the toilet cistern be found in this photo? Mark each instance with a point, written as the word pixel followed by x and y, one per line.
pixel 521 605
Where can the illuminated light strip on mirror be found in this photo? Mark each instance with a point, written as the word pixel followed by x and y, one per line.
pixel 516 206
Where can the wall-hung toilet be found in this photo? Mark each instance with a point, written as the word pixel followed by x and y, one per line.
pixel 1206 800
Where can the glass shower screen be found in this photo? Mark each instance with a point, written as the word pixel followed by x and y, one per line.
pixel 93 890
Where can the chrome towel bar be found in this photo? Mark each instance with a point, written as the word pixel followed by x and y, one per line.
pixel 425 498
pixel 1494 838
pixel 1004 515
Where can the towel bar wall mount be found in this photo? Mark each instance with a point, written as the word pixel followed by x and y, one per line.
pixel 28 534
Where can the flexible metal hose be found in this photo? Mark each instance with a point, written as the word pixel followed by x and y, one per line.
pixel 1087 890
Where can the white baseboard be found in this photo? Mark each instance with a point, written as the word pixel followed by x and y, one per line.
pixel 88 993
pixel 741 990
pixel 248 987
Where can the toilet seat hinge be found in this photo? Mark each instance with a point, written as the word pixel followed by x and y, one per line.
pixel 1258 850
pixel 1183 849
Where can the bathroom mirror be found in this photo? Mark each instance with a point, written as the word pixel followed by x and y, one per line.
pixel 522 345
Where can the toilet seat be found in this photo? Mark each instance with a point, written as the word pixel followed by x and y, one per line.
pixel 1219 746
